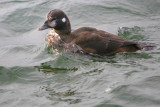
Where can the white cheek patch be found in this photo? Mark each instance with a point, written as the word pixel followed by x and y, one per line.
pixel 53 23
pixel 64 20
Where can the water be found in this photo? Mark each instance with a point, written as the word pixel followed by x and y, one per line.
pixel 32 76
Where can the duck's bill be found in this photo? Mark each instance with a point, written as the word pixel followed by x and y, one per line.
pixel 43 27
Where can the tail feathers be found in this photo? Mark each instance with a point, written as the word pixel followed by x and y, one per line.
pixel 146 46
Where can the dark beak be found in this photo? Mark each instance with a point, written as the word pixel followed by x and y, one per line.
pixel 43 27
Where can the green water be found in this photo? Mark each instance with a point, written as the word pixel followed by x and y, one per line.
pixel 32 76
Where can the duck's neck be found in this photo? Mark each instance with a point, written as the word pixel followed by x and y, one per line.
pixel 65 31
pixel 65 35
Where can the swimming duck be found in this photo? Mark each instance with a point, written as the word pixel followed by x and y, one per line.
pixel 89 39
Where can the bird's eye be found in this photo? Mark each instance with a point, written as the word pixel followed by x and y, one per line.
pixel 51 18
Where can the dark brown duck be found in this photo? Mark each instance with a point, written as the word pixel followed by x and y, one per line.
pixel 89 39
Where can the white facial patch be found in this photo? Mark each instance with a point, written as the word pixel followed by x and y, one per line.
pixel 53 23
pixel 64 20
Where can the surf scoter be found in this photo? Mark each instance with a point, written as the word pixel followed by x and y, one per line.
pixel 89 39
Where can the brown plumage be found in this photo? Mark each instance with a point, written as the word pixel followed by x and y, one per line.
pixel 89 39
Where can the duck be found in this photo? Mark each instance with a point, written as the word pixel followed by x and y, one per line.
pixel 89 39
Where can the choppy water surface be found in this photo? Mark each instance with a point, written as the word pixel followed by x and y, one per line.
pixel 32 76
